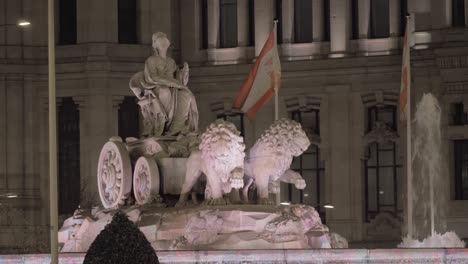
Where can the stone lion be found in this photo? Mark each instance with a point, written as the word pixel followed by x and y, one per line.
pixel 270 158
pixel 221 158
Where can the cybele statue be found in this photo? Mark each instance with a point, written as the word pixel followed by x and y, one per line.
pixel 168 106
pixel 141 176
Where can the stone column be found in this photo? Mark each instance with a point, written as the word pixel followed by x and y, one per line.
pixel 97 21
pixel 339 28
pixel 466 13
pixel 317 20
pixel 30 123
pixel 441 14
pixel 43 157
pixel 81 102
pixel 3 136
pixel 338 177
pixel 263 22
pixel 287 7
pixel 116 101
pixel 15 132
pixel 36 12
pixel 144 30
pixel 243 23
pixel 98 127
pixel 394 17
pixel 213 24
pixel 191 31
pixel 364 15
pixel 420 11
pixel 13 33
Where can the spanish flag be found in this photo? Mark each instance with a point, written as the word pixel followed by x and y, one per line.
pixel 259 87
pixel 405 78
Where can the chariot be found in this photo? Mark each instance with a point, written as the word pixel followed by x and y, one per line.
pixel 147 167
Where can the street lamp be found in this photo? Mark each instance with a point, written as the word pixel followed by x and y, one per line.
pixel 23 23
pixel 9 195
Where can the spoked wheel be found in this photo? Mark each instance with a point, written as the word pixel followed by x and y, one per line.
pixel 145 180
pixel 114 174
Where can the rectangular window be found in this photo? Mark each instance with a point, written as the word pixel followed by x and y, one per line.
pixel 279 16
pixel 403 14
pixel 228 23
pixel 67 22
pixel 458 117
pixel 354 19
pixel 68 156
pixel 204 23
pixel 326 20
pixel 461 169
pixel 310 166
pixel 458 13
pixel 382 172
pixel 379 19
pixel 302 21
pixel 251 23
pixel 129 118
pixel 127 21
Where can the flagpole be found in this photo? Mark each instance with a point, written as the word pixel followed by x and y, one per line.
pixel 409 164
pixel 52 138
pixel 275 24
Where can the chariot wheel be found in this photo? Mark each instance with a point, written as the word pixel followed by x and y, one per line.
pixel 114 175
pixel 145 180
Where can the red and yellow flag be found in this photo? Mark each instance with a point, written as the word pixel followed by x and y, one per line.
pixel 259 87
pixel 405 78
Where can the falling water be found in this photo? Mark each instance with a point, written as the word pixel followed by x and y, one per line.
pixel 428 177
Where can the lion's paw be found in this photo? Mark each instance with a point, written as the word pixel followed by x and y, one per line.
pixel 300 184
pixel 216 201
pixel 265 201
pixel 237 183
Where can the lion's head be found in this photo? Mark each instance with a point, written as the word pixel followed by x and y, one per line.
pixel 285 136
pixel 222 141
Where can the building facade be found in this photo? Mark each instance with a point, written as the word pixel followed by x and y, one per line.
pixel 341 65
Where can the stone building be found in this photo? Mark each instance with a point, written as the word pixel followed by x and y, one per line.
pixel 341 64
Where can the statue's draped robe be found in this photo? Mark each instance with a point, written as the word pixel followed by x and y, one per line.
pixel 169 110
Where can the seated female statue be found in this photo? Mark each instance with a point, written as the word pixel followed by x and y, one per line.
pixel 168 106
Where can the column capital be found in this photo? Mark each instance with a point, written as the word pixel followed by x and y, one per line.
pixel 117 100
pixel 80 101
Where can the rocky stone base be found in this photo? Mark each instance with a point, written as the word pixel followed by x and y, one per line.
pixel 209 228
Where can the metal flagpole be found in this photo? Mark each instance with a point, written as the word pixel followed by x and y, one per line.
pixel 52 138
pixel 409 164
pixel 275 24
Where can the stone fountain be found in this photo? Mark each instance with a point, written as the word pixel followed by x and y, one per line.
pixel 136 175
pixel 428 178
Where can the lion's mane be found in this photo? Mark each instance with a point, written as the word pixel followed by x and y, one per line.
pixel 225 133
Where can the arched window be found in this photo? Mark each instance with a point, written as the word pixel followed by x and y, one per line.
pixel 382 171
pixel 310 165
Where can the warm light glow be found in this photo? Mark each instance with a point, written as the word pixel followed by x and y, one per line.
pixel 329 206
pixel 285 203
pixel 11 195
pixel 23 23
